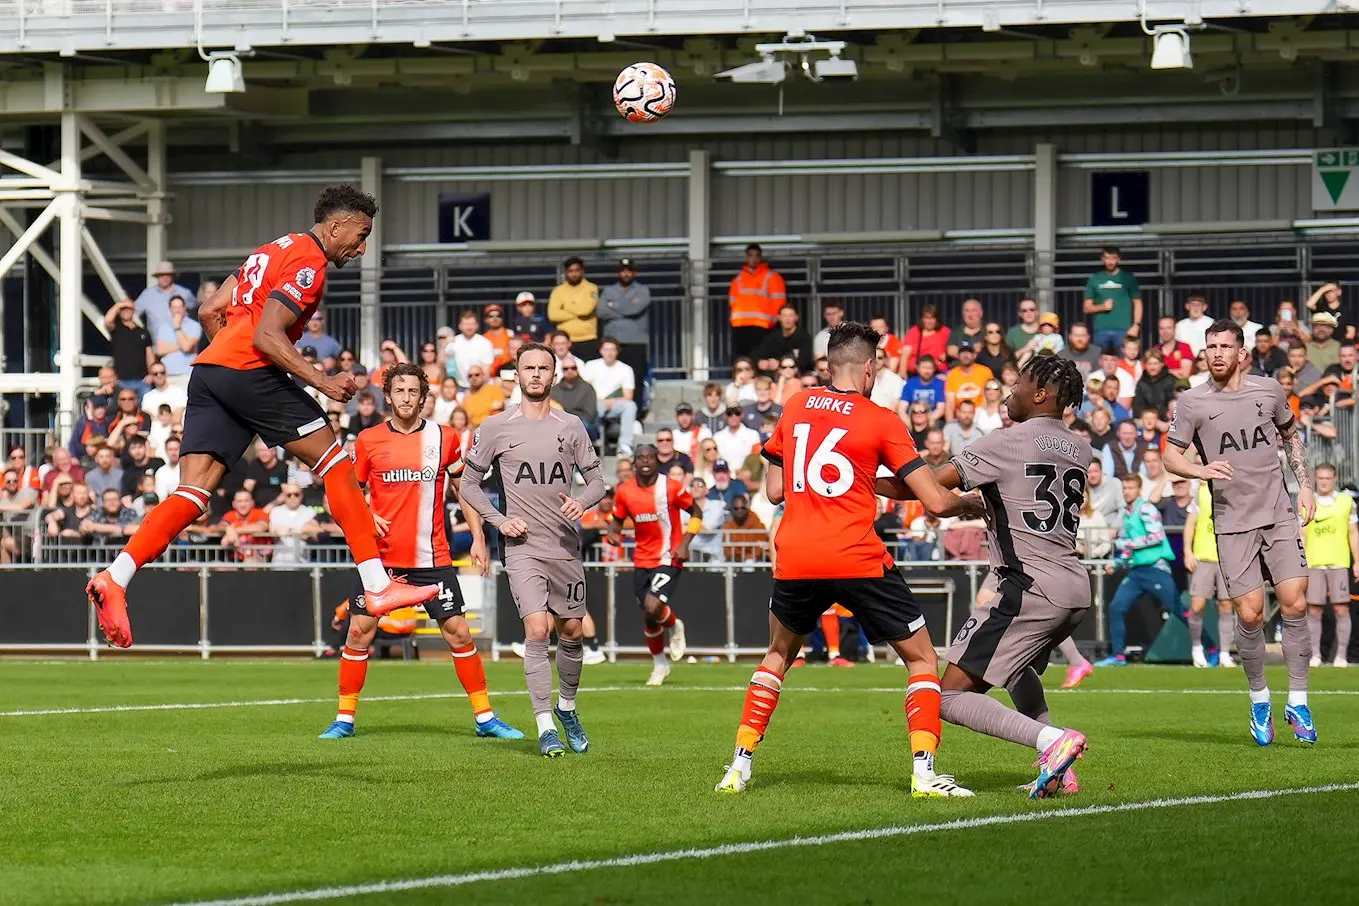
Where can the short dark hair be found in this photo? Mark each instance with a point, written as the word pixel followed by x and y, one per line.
pixel 560 333
pixel 755 247
pixel 533 347
pixel 1060 375
pixel 1227 325
pixel 603 340
pixel 406 369
pixel 574 259
pixel 852 343
pixel 1130 477
pixel 1110 250
pixel 343 198
pixel 1326 465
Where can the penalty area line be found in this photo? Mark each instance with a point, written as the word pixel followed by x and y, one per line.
pixel 739 849
pixel 665 690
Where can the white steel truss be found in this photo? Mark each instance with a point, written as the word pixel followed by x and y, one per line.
pixel 66 198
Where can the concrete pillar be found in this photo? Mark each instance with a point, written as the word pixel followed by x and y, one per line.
pixel 69 289
pixel 370 274
pixel 1045 223
pixel 700 245
pixel 156 199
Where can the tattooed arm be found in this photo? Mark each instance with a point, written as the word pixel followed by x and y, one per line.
pixel 1296 455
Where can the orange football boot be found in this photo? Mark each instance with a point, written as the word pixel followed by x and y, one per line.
pixel 110 604
pixel 396 595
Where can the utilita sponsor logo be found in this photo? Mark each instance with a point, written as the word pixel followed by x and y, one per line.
pixel 398 475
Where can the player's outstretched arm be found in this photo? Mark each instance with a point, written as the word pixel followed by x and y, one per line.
pixel 212 313
pixel 895 489
pixel 939 500
pixel 271 339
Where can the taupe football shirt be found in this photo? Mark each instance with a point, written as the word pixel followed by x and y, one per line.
pixel 536 460
pixel 1032 476
pixel 1241 427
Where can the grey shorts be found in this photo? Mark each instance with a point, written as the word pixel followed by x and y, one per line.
pixel 1328 586
pixel 1012 631
pixel 1273 552
pixel 548 586
pixel 1206 582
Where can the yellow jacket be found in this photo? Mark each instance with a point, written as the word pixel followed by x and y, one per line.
pixel 572 309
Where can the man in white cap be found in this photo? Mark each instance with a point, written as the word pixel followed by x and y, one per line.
pixel 527 322
pixel 153 305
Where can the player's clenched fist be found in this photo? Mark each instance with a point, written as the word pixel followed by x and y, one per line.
pixel 341 388
pixel 571 508
pixel 975 507
pixel 514 528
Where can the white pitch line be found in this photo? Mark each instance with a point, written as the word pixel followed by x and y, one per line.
pixel 671 690
pixel 738 849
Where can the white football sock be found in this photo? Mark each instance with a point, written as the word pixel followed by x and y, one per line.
pixel 122 569
pixel 544 722
pixel 372 574
pixel 1047 736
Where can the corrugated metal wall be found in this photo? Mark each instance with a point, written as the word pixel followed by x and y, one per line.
pixel 239 216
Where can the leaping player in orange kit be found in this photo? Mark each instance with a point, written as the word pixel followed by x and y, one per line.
pixel 247 383
pixel 404 462
pixel 823 460
pixel 657 506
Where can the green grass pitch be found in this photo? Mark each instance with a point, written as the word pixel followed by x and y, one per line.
pixel 237 802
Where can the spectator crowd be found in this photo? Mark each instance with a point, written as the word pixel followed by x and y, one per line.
pixel 947 382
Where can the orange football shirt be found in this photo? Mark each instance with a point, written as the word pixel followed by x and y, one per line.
pixel 658 517
pixel 291 269
pixel 406 475
pixel 830 444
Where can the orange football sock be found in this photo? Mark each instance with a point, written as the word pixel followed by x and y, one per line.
pixel 762 697
pixel 348 506
pixel 830 628
pixel 353 671
pixel 666 618
pixel 922 713
pixel 655 639
pixel 472 675
pixel 165 522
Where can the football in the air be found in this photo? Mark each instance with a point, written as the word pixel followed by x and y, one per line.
pixel 644 93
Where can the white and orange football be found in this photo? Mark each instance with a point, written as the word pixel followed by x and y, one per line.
pixel 644 93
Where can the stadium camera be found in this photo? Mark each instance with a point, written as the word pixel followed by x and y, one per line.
pixel 1171 50
pixel 224 75
pixel 765 72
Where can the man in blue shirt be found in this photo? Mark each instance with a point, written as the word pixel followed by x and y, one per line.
pixel 177 339
pixel 326 346
pixel 925 386
pixel 1142 547
pixel 153 305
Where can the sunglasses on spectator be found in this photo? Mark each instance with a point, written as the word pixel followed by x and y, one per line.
pixel 789 366
pixel 920 410
pixel 1027 308
pixel 995 330
pixel 570 368
pixel 665 440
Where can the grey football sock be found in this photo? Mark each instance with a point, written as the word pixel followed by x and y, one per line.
pixel 1027 694
pixel 1195 627
pixel 570 655
pixel 1250 648
pixel 1342 636
pixel 985 714
pixel 538 673
pixel 1297 650
pixel 1069 652
pixel 1314 630
pixel 1226 630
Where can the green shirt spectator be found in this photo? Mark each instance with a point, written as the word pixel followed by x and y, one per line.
pixel 1114 297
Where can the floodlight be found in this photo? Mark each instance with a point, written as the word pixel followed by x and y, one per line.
pixel 1171 50
pixel 224 75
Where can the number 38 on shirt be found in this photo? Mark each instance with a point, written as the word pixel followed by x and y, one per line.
pixel 830 445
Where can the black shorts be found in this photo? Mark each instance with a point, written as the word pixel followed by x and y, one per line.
pixel 447 603
pixel 884 607
pixel 659 581
pixel 227 407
